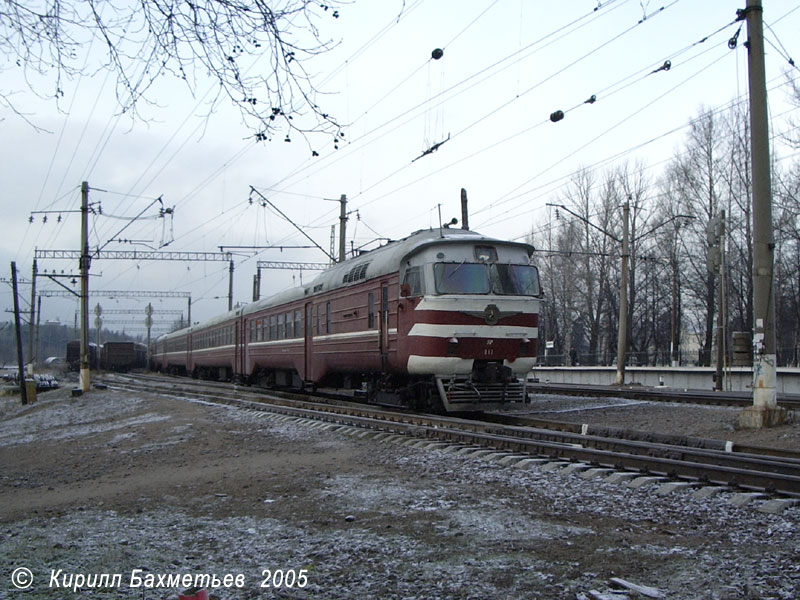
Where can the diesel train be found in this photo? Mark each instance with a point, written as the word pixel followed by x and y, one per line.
pixel 444 319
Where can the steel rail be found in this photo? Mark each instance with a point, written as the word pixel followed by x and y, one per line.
pixel 657 394
pixel 633 434
pixel 755 472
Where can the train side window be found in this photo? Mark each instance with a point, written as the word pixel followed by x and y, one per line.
pixel 328 317
pixel 371 310
pixel 280 326
pixel 272 327
pixel 413 281
pixel 298 324
pixel 289 325
pixel 319 311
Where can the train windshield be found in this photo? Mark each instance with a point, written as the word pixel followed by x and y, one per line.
pixel 515 280
pixel 482 278
pixel 461 278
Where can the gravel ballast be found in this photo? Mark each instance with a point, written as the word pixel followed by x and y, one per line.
pixel 120 483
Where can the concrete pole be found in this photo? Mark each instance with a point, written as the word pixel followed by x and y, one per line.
pixel 720 306
pixel 464 210
pixel 342 227
pixel 765 411
pixel 36 340
pixel 84 270
pixel 148 321
pixel 622 340
pixel 31 334
pixel 98 323
pixel 230 286
pixel 257 285
pixel 674 354
pixel 20 360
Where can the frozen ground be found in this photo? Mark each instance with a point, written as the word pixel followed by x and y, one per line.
pixel 111 482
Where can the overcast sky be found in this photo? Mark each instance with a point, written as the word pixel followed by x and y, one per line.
pixel 507 65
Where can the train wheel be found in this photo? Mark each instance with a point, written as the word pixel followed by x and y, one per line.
pixel 432 399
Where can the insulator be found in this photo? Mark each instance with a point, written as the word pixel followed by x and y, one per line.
pixel 437 54
pixel 557 116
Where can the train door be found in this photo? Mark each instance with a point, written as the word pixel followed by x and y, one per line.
pixel 384 326
pixel 189 343
pixel 308 332
pixel 238 350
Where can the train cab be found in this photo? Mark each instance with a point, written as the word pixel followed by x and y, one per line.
pixel 468 316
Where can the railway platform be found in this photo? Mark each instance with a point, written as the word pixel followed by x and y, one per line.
pixel 735 379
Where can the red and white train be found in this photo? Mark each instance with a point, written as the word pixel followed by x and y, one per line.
pixel 443 319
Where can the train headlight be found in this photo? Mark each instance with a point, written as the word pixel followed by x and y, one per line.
pixel 453 345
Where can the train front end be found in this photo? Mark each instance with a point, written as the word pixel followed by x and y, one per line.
pixel 471 309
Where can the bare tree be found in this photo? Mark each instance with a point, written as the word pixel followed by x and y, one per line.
pixel 635 186
pixel 737 188
pixel 255 55
pixel 787 264
pixel 697 177
pixel 596 251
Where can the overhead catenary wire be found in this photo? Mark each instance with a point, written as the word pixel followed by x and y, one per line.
pixel 605 132
pixel 230 215
pixel 525 52
pixel 505 104
pixel 546 189
pixel 540 39
pixel 615 87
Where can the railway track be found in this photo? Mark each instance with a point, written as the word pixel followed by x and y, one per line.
pixel 633 434
pixel 658 394
pixel 679 463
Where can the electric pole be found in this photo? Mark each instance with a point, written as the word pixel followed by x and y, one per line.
pixel 230 286
pixel 98 324
pixel 84 263
pixel 20 360
pixel 622 339
pixel 148 321
pixel 715 234
pixel 765 411
pixel 342 227
pixel 31 333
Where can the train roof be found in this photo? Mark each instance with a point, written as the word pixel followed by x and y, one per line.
pixel 218 320
pixel 376 263
pixel 368 265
